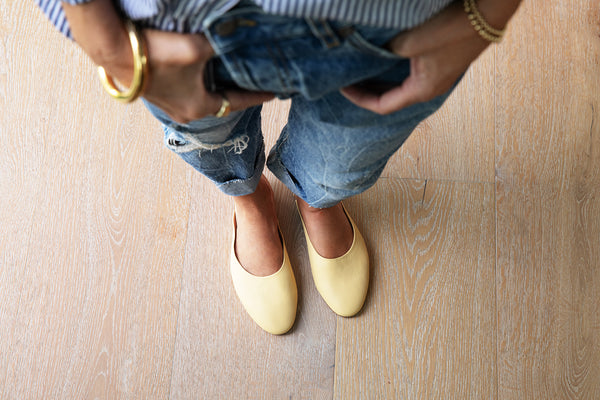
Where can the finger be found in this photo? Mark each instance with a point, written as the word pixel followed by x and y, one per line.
pixel 241 100
pixel 176 48
pixel 395 99
pixel 203 44
pixel 191 109
pixel 362 97
pixel 412 91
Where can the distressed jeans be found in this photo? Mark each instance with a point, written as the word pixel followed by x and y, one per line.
pixel 330 149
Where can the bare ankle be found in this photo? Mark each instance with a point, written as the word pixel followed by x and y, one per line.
pixel 329 229
pixel 258 244
pixel 260 200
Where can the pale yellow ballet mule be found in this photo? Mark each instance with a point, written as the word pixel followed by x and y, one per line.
pixel 270 301
pixel 343 281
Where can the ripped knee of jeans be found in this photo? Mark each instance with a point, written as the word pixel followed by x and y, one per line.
pixel 184 143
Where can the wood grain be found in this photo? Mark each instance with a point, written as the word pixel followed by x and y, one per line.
pixel 91 263
pixel 428 328
pixel 548 167
pixel 113 252
pixel 457 142
pixel 548 285
pixel 274 117
pixel 548 109
pixel 221 353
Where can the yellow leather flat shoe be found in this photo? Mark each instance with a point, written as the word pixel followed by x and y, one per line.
pixel 343 281
pixel 270 301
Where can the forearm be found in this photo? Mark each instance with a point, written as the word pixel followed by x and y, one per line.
pixel 99 31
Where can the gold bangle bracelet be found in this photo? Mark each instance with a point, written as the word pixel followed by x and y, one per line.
pixel 140 69
pixel 483 22
pixel 481 26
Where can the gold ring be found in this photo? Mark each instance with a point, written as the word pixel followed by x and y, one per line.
pixel 225 109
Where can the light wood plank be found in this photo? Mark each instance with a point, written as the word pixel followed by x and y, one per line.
pixel 548 284
pixel 548 109
pixel 94 215
pixel 274 117
pixel 428 328
pixel 220 352
pixel 548 166
pixel 457 142
pixel 95 211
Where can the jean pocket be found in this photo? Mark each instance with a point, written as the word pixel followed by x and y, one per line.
pixel 360 41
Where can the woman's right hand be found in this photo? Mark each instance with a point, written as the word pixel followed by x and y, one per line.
pixel 176 62
pixel 176 79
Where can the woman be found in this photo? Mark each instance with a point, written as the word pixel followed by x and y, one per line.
pixel 361 76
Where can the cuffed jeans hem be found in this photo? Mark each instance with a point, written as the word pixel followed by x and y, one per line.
pixel 241 187
pixel 281 172
pixel 322 195
pixel 324 203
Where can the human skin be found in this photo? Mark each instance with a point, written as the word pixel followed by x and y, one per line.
pixel 440 51
pixel 176 62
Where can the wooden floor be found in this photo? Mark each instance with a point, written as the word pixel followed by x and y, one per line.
pixel 484 236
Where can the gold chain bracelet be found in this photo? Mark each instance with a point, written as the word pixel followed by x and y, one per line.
pixel 483 28
pixel 140 69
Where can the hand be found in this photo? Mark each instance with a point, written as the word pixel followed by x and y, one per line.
pixel 176 79
pixel 440 51
pixel 176 83
pixel 176 62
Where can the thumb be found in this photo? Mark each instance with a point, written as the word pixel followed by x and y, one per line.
pixel 408 93
pixel 175 48
pixel 412 91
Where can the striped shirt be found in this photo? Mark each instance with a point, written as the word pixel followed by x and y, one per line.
pixel 186 16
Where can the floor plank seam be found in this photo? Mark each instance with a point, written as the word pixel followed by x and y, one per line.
pixel 495 137
pixel 183 261
pixel 496 287
pixel 335 360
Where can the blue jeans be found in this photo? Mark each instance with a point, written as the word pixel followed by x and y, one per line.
pixel 330 149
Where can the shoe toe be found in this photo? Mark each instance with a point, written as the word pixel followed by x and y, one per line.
pixel 271 301
pixel 342 282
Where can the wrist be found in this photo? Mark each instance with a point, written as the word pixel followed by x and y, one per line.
pixel 139 74
pixel 100 32
pixel 116 57
pixel 498 13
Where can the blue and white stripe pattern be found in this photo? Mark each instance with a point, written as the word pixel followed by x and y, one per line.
pixel 54 12
pixel 402 14
pixel 187 15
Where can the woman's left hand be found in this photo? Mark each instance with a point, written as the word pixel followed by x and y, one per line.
pixel 440 51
